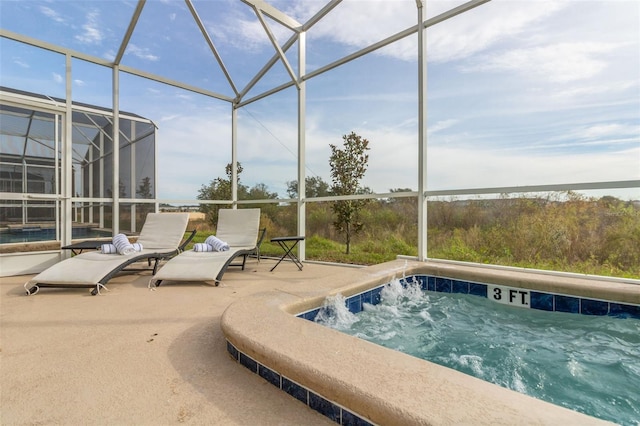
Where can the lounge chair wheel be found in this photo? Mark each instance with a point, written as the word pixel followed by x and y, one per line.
pixel 32 290
pixel 157 283
pixel 94 292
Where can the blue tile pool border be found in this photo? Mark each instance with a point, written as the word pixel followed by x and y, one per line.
pixel 333 411
pixel 551 302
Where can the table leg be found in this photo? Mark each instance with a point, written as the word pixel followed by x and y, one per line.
pixel 288 253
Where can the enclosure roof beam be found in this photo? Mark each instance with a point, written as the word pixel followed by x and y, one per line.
pixel 268 66
pixel 264 94
pixel 275 14
pixel 53 48
pixel 26 134
pixel 286 46
pixel 280 52
pixel 100 61
pixel 174 83
pixel 212 46
pixel 382 43
pixel 127 35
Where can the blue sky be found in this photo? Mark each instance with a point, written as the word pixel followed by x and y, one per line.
pixel 520 92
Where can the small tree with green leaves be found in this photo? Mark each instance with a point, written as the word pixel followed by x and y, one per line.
pixel 219 189
pixel 348 166
pixel 314 187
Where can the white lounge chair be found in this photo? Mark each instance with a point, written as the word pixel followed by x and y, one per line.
pixel 160 238
pixel 239 228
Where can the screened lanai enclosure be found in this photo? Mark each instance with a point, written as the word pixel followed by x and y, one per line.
pixel 484 119
pixel 33 168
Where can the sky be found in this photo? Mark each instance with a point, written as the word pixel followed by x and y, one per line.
pixel 519 92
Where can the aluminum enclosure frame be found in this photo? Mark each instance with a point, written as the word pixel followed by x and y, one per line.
pixel 297 80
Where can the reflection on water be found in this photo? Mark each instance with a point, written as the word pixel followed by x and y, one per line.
pixel 28 234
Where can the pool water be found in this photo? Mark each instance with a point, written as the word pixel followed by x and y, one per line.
pixel 48 234
pixel 589 364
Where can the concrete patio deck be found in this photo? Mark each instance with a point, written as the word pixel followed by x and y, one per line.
pixel 138 357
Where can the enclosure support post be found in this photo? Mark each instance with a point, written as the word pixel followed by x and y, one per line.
pixel 422 133
pixel 302 111
pixel 115 185
pixel 66 186
pixel 234 155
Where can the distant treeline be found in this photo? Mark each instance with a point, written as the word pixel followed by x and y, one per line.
pixel 563 231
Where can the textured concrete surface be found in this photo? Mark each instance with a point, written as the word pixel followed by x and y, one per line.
pixel 138 357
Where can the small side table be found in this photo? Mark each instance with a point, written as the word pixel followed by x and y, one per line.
pixel 288 249
pixel 76 248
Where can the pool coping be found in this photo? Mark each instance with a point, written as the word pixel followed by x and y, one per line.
pixel 379 385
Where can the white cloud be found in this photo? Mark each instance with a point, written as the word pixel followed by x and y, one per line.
pixel 610 129
pixel 245 32
pixel 141 52
pixel 91 33
pixel 47 11
pixel 109 54
pixel 578 50
pixel 79 83
pixel 558 63
pixel 485 26
pixel 607 88
pixel 606 135
pixel 20 62
pixel 192 150
pixel 451 168
pixel 360 24
pixel 441 125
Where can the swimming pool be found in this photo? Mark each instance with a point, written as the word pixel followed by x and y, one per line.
pixel 587 363
pixel 353 381
pixel 36 233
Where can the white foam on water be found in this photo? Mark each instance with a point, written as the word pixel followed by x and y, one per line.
pixel 589 364
pixel 335 314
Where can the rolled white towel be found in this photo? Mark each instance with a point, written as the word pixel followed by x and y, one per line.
pixel 122 244
pixel 111 249
pixel 216 243
pixel 108 249
pixel 202 247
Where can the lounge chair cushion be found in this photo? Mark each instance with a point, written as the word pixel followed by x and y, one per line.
pixel 85 269
pixel 160 237
pixel 238 228
pixel 197 266
pixel 164 230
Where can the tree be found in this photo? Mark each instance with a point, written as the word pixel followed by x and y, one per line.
pixel 122 190
pixel 219 189
pixel 314 187
pixel 260 191
pixel 144 189
pixel 348 166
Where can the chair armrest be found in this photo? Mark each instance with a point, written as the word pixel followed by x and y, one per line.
pixel 187 240
pixel 263 231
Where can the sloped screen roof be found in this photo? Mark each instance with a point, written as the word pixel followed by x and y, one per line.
pixel 524 92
